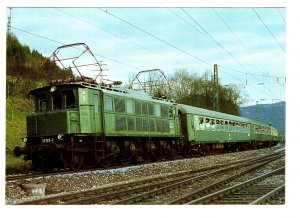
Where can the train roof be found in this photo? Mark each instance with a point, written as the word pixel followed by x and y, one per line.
pixel 186 109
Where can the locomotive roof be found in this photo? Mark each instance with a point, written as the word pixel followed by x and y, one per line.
pixel 116 91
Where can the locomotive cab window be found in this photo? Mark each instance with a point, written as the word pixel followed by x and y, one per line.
pixel 108 103
pixel 69 99
pixel 41 102
pixel 56 101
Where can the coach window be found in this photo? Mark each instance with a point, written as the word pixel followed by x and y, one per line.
pixel 237 126
pixel 213 125
pixel 108 103
pixel 218 125
pixel 226 126
pixel 230 127
pixel 201 122
pixel 207 124
pixel 129 106
pixel 234 126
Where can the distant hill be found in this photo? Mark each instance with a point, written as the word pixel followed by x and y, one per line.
pixel 274 113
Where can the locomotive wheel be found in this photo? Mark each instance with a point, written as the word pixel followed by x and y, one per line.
pixel 77 162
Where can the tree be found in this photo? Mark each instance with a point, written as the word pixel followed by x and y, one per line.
pixel 192 89
pixel 23 71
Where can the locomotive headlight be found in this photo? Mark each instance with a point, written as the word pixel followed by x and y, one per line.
pixel 25 140
pixel 60 136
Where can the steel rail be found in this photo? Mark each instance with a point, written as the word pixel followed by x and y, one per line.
pixel 203 191
pixel 175 185
pixel 77 197
pixel 269 195
pixel 227 191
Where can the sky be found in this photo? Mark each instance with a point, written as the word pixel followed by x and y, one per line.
pixel 248 44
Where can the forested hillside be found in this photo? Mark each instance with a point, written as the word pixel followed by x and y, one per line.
pixel 267 113
pixel 23 68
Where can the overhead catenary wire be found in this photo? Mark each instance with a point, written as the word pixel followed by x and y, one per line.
pixel 120 62
pixel 115 35
pixel 237 38
pixel 268 30
pixel 154 36
pixel 61 43
pixel 213 39
pixel 235 70
pixel 135 67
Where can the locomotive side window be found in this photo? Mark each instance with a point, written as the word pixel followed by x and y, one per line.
pixel 152 125
pixel 139 124
pixel 96 103
pixel 157 110
pixel 129 106
pixel 159 125
pixel 120 105
pixel 145 125
pixel 130 123
pixel 144 108
pixel 138 110
pixel 108 103
pixel 121 123
pixel 165 126
pixel 151 109
pixel 164 111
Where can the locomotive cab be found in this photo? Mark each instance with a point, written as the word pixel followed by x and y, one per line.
pixel 66 118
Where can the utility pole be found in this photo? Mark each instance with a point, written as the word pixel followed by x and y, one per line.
pixel 216 106
pixel 9 21
pixel 256 111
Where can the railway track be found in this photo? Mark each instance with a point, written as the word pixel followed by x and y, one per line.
pixel 137 191
pixel 33 175
pixel 252 191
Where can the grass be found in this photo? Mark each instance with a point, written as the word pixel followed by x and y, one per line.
pixel 16 110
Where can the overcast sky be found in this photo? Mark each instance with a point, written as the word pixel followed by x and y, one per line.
pixel 248 44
